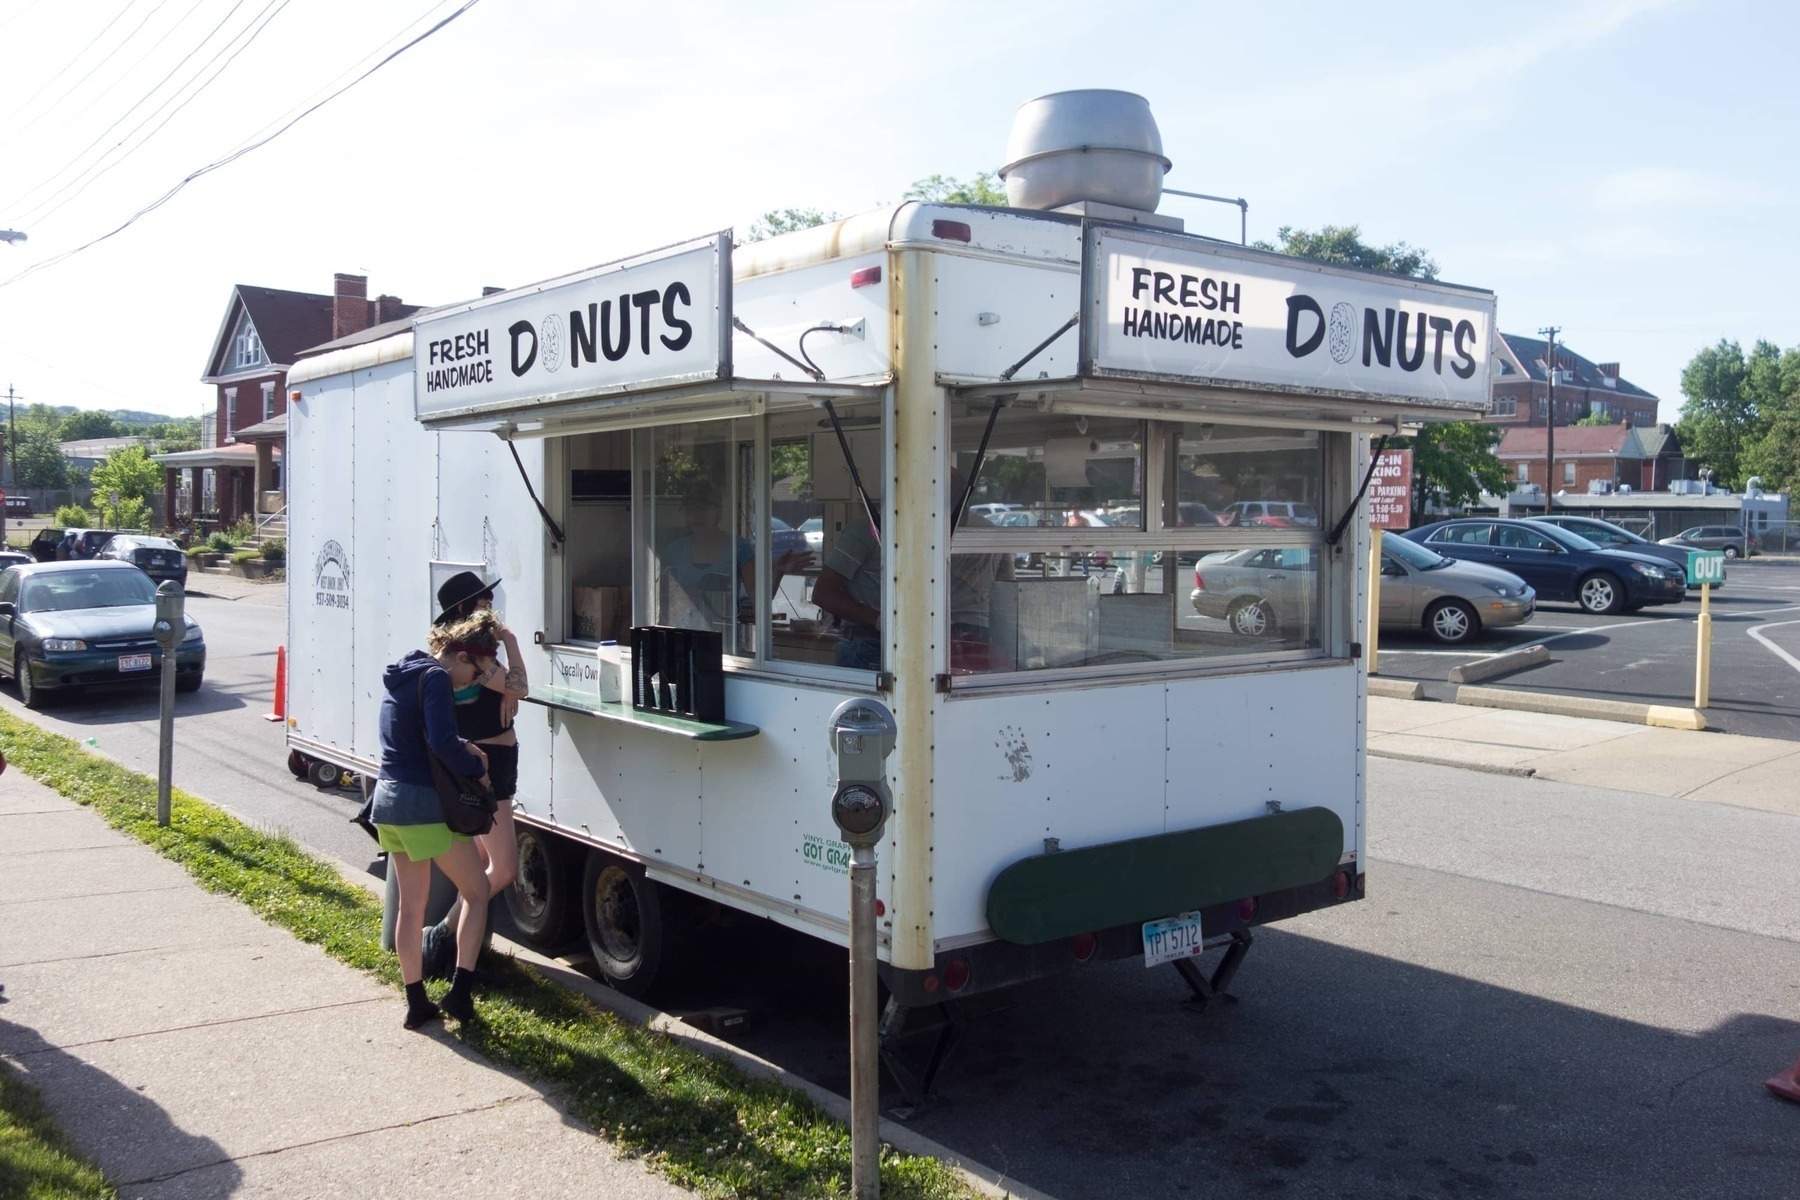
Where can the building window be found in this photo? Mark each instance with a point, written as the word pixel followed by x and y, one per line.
pixel 1524 472
pixel 268 390
pixel 1568 472
pixel 1503 406
pixel 247 349
pixel 230 414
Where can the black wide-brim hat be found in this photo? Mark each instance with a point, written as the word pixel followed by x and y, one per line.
pixel 458 590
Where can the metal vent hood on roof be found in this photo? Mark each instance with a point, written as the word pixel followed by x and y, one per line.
pixel 1093 146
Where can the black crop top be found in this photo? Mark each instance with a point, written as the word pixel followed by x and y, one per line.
pixel 480 718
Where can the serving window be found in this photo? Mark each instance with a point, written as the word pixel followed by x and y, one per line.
pixel 1098 541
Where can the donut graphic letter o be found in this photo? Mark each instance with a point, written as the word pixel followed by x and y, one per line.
pixel 1341 335
pixel 550 340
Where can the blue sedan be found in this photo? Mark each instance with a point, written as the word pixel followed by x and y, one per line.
pixel 1560 565
pixel 86 624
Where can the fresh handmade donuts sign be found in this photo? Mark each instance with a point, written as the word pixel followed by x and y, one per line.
pixel 1156 306
pixel 646 322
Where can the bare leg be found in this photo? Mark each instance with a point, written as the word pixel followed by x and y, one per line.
pixel 414 880
pixel 501 844
pixel 462 863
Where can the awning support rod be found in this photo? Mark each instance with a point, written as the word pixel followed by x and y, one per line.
pixel 1337 531
pixel 962 504
pixel 549 521
pixel 850 461
pixel 738 324
pixel 1041 347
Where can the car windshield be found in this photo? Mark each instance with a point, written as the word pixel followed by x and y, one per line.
pixel 60 591
pixel 1413 554
pixel 1608 530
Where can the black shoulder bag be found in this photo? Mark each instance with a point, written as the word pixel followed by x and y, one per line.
pixel 468 804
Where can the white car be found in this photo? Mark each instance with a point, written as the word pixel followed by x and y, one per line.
pixel 813 530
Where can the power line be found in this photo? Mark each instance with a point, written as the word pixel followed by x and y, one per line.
pixel 7 119
pixel 236 154
pixel 91 72
pixel 44 209
pixel 132 69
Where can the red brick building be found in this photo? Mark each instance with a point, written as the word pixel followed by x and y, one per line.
pixel 263 332
pixel 1643 459
pixel 1521 388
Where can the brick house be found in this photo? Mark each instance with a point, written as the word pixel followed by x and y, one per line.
pixel 1643 459
pixel 1521 388
pixel 263 332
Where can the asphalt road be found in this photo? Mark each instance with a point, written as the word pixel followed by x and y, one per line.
pixel 1648 656
pixel 1550 991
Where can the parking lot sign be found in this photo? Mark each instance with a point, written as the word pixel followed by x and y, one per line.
pixel 1705 566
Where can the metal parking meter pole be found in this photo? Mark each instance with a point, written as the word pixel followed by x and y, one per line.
pixel 862 736
pixel 170 629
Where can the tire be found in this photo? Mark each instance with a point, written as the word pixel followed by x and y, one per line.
pixel 1731 552
pixel 1600 594
pixel 540 900
pixel 324 774
pixel 297 764
pixel 190 684
pixel 30 695
pixel 1452 622
pixel 1251 618
pixel 635 926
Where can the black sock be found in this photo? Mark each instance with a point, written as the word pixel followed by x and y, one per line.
pixel 463 980
pixel 457 1001
pixel 419 1009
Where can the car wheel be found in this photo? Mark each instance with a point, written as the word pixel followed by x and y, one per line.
pixel 1451 622
pixel 634 925
pixel 190 683
pixel 1251 618
pixel 30 695
pixel 1600 594
pixel 1731 552
pixel 538 900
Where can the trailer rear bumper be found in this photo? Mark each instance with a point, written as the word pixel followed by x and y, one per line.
pixel 987 966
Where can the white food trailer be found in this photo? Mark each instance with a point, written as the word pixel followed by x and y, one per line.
pixel 1088 764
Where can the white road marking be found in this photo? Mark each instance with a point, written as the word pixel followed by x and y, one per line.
pixel 1757 633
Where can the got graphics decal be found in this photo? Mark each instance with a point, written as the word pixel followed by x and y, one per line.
pixel 331 577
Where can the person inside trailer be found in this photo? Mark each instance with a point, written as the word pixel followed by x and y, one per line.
pixel 708 576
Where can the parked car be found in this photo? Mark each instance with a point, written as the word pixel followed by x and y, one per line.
pixel 1260 592
pixel 1279 514
pixel 1735 542
pixel 813 530
pixel 18 506
pixel 1561 566
pixel 12 558
pixel 62 545
pixel 85 624
pixel 159 558
pixel 1613 537
pixel 784 539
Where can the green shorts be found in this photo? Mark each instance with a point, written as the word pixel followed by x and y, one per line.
pixel 418 842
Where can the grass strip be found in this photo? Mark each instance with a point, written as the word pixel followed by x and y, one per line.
pixel 36 1160
pixel 698 1120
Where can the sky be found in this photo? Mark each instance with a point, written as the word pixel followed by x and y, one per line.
pixel 1621 169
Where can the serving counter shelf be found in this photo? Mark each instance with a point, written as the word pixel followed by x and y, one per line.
pixel 610 710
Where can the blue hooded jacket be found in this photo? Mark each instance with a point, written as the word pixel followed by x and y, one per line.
pixel 405 729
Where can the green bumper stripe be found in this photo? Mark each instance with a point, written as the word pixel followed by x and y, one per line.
pixel 1059 895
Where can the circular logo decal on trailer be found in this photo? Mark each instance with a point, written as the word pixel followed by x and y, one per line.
pixel 331 577
pixel 550 342
pixel 1342 332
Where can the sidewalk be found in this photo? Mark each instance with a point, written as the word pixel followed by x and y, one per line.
pixel 234 587
pixel 193 1051
pixel 1718 768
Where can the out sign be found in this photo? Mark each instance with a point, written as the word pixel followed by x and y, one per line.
pixel 1705 566
pixel 1390 491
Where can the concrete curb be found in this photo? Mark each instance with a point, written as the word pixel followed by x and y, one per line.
pixel 979 1176
pixel 1396 689
pixel 1432 760
pixel 1500 664
pixel 1661 715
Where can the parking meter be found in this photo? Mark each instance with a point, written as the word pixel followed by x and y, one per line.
pixel 170 629
pixel 862 737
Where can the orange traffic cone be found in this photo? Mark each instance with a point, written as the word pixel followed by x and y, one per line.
pixel 280 712
pixel 1787 1084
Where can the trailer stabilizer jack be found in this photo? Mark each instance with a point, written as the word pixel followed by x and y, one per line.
pixel 916 1086
pixel 1211 989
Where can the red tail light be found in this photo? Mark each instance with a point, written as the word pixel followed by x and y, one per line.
pixel 956 974
pixel 1085 946
pixel 865 277
pixel 880 909
pixel 951 231
pixel 1247 909
pixel 1340 884
pixel 930 985
pixel 1199 583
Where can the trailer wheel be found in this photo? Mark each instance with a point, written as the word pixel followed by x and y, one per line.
pixel 633 924
pixel 539 899
pixel 298 764
pixel 324 774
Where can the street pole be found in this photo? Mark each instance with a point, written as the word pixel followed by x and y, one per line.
pixel 170 629
pixel 1703 654
pixel 1550 415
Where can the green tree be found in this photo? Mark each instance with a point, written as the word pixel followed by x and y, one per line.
pixel 1596 418
pixel 1775 456
pixel 39 458
pixel 85 426
pixel 778 221
pixel 985 189
pixel 1343 244
pixel 128 474
pixel 1732 400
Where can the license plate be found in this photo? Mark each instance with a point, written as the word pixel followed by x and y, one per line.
pixel 1172 938
pixel 134 662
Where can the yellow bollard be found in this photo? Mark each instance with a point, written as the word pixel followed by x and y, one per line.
pixel 1703 655
pixel 1374 614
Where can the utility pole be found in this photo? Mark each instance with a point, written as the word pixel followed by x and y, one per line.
pixel 12 437
pixel 1550 415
